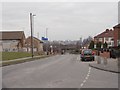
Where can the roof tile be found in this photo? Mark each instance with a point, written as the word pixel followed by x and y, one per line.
pixel 12 35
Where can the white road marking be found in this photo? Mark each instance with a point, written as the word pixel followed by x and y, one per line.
pixel 86 77
pixel 81 85
pixel 89 69
pixel 84 81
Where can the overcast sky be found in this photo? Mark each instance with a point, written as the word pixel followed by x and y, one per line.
pixel 64 20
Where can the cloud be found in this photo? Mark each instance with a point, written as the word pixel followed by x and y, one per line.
pixel 69 19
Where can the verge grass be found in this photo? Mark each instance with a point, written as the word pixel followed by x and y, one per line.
pixel 14 55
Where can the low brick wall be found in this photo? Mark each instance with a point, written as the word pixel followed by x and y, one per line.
pixel 105 54
pixel 95 52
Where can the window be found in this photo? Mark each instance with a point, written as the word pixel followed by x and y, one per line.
pixel 14 40
pixel 112 43
pixel 118 42
pixel 100 39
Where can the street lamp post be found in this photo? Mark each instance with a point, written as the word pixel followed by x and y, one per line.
pixel 31 27
pixel 80 42
pixel 47 41
pixel 46 32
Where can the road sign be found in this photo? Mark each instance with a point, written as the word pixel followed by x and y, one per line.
pixel 44 39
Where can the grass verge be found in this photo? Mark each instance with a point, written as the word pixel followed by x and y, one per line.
pixel 22 61
pixel 14 55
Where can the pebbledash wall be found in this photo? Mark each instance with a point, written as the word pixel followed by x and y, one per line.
pixel 9 45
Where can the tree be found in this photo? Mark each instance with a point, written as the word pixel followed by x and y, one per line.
pixel 98 45
pixel 91 46
pixel 105 45
pixel 86 41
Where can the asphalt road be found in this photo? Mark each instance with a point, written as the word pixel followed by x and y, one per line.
pixel 60 71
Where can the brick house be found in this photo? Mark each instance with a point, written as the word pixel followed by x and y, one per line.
pixel 12 41
pixel 106 36
pixel 116 35
pixel 37 44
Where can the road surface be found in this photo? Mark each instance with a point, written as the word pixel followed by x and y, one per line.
pixel 60 71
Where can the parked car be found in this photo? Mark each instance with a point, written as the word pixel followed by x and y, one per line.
pixel 87 55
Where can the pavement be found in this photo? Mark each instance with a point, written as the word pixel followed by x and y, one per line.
pixel 106 64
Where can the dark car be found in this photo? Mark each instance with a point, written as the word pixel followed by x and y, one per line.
pixel 114 53
pixel 87 55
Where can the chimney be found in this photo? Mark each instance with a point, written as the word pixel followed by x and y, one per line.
pixel 110 29
pixel 107 30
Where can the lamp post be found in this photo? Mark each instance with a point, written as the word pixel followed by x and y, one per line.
pixel 47 41
pixel 31 27
pixel 46 32
pixel 80 42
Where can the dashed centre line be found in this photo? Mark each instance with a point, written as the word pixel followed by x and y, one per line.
pixel 86 77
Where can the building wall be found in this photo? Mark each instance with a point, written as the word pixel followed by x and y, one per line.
pixel 119 37
pixel 116 34
pixel 0 46
pixel 101 39
pixel 9 45
pixel 96 40
pixel 108 40
pixel 38 47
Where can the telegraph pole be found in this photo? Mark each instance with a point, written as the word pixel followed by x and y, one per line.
pixel 31 34
pixel 31 27
pixel 47 41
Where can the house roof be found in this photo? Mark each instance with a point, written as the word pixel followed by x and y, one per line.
pixel 107 33
pixel 117 26
pixel 12 35
pixel 38 39
pixel 35 39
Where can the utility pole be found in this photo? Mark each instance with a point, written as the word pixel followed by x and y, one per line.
pixel 31 27
pixel 47 41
